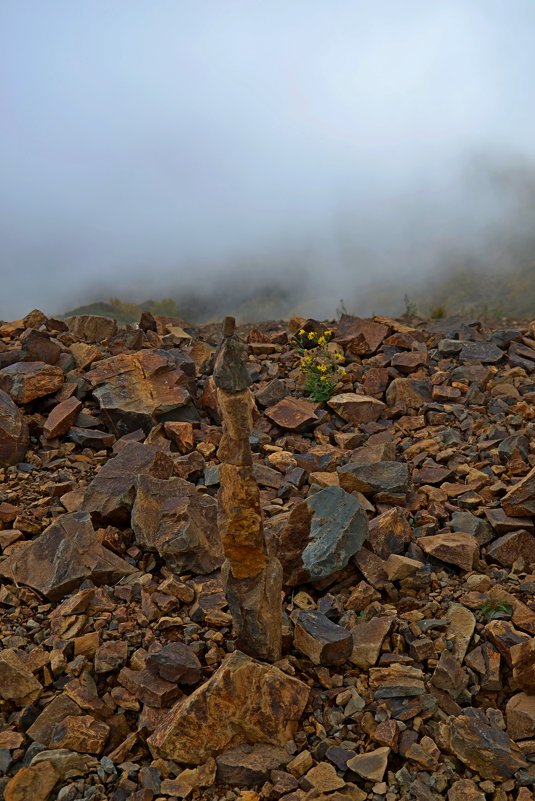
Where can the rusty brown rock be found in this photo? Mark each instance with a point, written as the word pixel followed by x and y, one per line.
pixel 181 435
pixel 91 327
pixel 26 381
pixel 14 436
pixel 454 548
pixel 523 660
pixel 244 702
pixel 368 637
pixel 510 547
pixel 520 500
pixel 409 393
pixel 485 749
pixel 62 417
pixel 363 336
pixel 110 496
pixel 240 521
pixel 17 683
pixel 520 716
pixel 390 533
pixel 324 642
pixel 80 733
pixel 355 408
pixel 57 710
pixel 173 519
pixel 135 389
pixel 65 554
pixel 293 414
pixel 32 784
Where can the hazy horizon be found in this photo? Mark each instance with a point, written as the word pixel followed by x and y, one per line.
pixel 148 148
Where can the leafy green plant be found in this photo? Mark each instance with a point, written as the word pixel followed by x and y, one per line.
pixel 438 312
pixel 494 608
pixel 321 368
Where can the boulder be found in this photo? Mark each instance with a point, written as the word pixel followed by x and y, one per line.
pixel 245 701
pixel 362 336
pixel 62 417
pixel 321 536
pixel 26 381
pixel 32 784
pixel 14 436
pixel 390 533
pixel 485 749
pixel 63 556
pixel 17 683
pixel 520 716
pixel 91 327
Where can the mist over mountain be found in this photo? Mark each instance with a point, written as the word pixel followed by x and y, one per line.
pixel 266 158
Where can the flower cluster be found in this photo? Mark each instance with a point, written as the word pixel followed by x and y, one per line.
pixel 322 369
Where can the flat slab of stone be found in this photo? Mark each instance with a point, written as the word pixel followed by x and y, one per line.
pixel 292 414
pixel 391 477
pixel 454 548
pixel 355 408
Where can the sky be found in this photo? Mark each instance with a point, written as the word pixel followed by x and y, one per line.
pixel 152 146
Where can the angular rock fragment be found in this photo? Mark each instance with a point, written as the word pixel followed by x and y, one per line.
pixel 520 716
pixel 32 784
pixel 368 637
pixel 523 661
pixel 14 436
pixel 173 519
pixel 389 477
pixel 91 327
pixel 321 536
pixel 513 546
pixel 485 749
pixel 65 554
pixel 17 683
pixel 371 765
pixel 110 496
pixel 244 702
pixel 454 548
pixel 356 409
pixel 176 662
pixel 321 640
pixel 520 500
pixel 293 414
pixel 80 733
pixel 249 766
pixel 61 418
pixel 361 335
pixel 26 381
pixel 408 393
pixel 390 533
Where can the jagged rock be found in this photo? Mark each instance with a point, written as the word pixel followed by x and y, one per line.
pixel 32 784
pixel 372 765
pixel 176 662
pixel 26 381
pixel 293 414
pixel 248 766
pixel 322 778
pixel 190 780
pixel 465 790
pixel 449 675
pixel 368 637
pixel 399 567
pixel 390 533
pixel 361 335
pixel 91 438
pixel 523 661
pixel 57 710
pixel 14 436
pixel 65 554
pixel 462 624
pixel 66 762
pixel 110 496
pixel 321 640
pixel 171 518
pixel 516 545
pixel 454 548
pixel 61 418
pixel 181 434
pixel 520 715
pixel 136 390
pixel 484 352
pixel 520 500
pixel 110 656
pixel 485 749
pixel 149 688
pixel 356 409
pixel 321 536
pixel 38 346
pixel 17 683
pixel 91 327
pixel 389 477
pixel 408 393
pixel 272 393
pixel 81 733
pixel 244 702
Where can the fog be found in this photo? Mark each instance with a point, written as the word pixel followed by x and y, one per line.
pixel 151 147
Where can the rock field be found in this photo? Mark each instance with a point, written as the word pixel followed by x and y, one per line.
pixel 402 512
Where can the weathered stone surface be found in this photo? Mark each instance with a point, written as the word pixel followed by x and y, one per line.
pixel 368 637
pixel 176 662
pixel 17 683
pixel 465 790
pixel 181 435
pixel 136 390
pixel 67 763
pixel 321 536
pixel 449 675
pixel 355 408
pixel 244 702
pixel 91 438
pixel 65 554
pixel 372 765
pixel 523 661
pixel 399 567
pixel 80 733
pixel 408 393
pixel 516 545
pixel 363 336
pixel 240 521
pixel 32 784
pixel 321 640
pixel 190 780
pixel 520 500
pixel 110 496
pixel 454 548
pixel 26 381
pixel 247 767
pixel 520 716
pixel 38 346
pixel 462 624
pixel 293 414
pixel 91 327
pixel 149 688
pixel 391 477
pixel 14 436
pixel 57 710
pixel 110 656
pixel 390 533
pixel 484 352
pixel 177 522
pixel 485 749
pixel 322 778
pixel 272 393
pixel 61 418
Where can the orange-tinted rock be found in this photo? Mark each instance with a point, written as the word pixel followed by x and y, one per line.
pixel 409 393
pixel 17 683
pixel 133 390
pixel 240 521
pixel 520 716
pixel 523 659
pixel 65 554
pixel 61 418
pixel 181 435
pixel 26 381
pixel 80 733
pixel 293 414
pixel 355 408
pixel 485 749
pixel 244 702
pixel 520 500
pixel 515 545
pixel 38 346
pixel 14 437
pixel 32 784
pixel 363 336
pixel 454 548
pixel 390 533
pixel 91 327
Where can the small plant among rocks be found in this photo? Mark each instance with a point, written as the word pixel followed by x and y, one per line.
pixel 321 367
pixel 495 609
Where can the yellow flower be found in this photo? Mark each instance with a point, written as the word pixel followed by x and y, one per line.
pixel 307 359
pixel 322 368
pixel 339 357
pixel 301 332
pixel 328 333
pixel 311 335
pixel 343 372
pixel 322 341
pixel 323 378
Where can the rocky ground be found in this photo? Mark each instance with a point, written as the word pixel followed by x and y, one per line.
pixel 402 512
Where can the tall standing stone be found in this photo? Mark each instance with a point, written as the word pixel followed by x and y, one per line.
pixel 252 577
